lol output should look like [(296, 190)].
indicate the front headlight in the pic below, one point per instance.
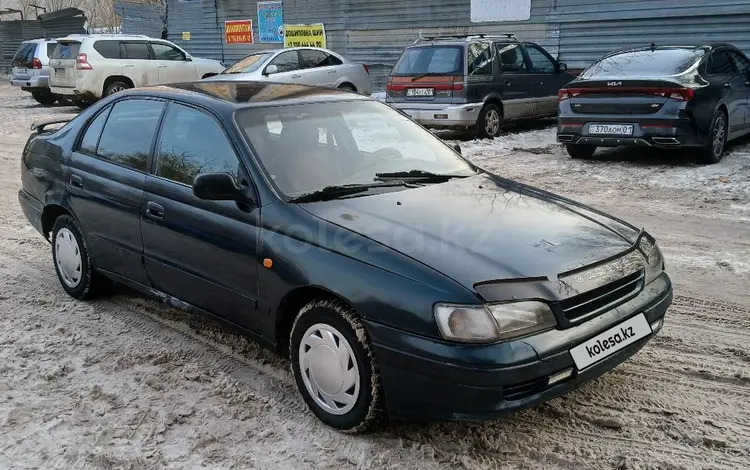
[(654, 259), (490, 323)]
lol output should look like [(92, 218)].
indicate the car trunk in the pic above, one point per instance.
[(428, 74), (23, 62), (623, 96), (63, 64)]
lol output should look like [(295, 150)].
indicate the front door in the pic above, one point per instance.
[(201, 252), (547, 79), (106, 181), (287, 68), (172, 64), (519, 100)]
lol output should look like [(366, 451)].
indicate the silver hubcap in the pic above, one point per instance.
[(492, 122), (329, 369), (720, 130), (117, 89), (68, 257)]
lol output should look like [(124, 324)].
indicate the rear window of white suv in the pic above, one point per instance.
[(66, 50)]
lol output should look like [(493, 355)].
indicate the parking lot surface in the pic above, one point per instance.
[(128, 382)]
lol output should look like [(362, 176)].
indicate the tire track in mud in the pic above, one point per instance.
[(279, 392)]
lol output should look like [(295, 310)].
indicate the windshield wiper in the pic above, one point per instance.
[(426, 74), (416, 175), (338, 191)]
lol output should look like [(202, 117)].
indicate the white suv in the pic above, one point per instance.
[(86, 68)]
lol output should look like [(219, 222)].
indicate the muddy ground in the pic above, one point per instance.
[(129, 383)]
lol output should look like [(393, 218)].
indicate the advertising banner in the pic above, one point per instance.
[(270, 22), (304, 35), (238, 31)]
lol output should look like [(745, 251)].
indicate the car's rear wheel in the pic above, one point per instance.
[(347, 87), (115, 87), (714, 149), (582, 152), (44, 97), (72, 261), (334, 366), (489, 122), (65, 101)]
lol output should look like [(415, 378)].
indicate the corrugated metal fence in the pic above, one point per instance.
[(375, 32), (141, 18), (54, 24)]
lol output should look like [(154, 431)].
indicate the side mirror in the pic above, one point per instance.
[(188, 58), (457, 148), (562, 67), (271, 69), (217, 187)]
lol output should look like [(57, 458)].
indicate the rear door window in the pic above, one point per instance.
[(719, 63), (432, 60), (312, 59), (109, 49), (129, 133), (511, 58), (135, 51), (67, 50), (480, 58)]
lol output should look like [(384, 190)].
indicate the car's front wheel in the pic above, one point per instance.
[(582, 152), (334, 366), (714, 149), (72, 261)]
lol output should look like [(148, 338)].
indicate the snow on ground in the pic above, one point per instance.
[(129, 383)]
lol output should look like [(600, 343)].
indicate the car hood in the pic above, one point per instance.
[(482, 228)]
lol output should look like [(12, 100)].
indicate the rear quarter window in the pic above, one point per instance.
[(108, 49), (646, 63), (68, 50)]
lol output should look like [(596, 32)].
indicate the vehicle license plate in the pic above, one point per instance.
[(21, 70), (59, 72), (613, 129), (609, 342), (419, 92)]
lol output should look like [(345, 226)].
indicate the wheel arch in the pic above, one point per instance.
[(50, 214), (116, 78)]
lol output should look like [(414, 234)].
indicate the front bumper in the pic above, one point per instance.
[(428, 379), (442, 115), (31, 83)]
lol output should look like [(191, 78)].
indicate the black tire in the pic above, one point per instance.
[(489, 123), (714, 149), (582, 152), (364, 409), (115, 87), (44, 98), (347, 87), (82, 104), (89, 284), (65, 101)]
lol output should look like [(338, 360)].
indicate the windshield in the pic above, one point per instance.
[(307, 147), (66, 50), (648, 63), (250, 63), (433, 60)]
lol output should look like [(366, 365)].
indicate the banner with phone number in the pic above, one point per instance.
[(304, 35)]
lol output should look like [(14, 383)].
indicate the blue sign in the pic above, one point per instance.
[(270, 22)]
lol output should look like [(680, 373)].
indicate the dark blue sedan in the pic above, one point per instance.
[(400, 278)]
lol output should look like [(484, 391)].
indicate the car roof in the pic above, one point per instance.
[(244, 94), (462, 39), (38, 40), (108, 36)]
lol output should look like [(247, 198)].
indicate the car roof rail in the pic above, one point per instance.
[(451, 37)]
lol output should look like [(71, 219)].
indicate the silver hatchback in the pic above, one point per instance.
[(31, 69), (303, 65)]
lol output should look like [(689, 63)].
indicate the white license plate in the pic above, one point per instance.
[(612, 129), (59, 72), (414, 92), (611, 341), (21, 71)]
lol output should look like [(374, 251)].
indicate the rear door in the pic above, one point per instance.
[(481, 79), (547, 79), (518, 87), (22, 61), (62, 65), (742, 64), (106, 180), (723, 76), (137, 63), (316, 69), (172, 64)]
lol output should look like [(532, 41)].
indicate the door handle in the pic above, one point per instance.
[(541, 83), (507, 83), (332, 71), (162, 66), (129, 66), (727, 85), (154, 210), (76, 181), (296, 75)]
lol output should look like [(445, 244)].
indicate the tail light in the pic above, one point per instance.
[(367, 69), (36, 64), (82, 62), (679, 94), (389, 84)]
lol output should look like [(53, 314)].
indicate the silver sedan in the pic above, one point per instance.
[(302, 65)]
